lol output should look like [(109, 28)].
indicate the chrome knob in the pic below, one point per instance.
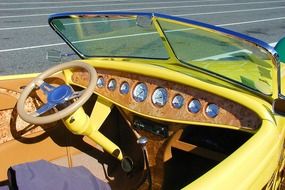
[(142, 141)]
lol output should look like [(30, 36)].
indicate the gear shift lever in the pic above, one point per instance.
[(143, 141)]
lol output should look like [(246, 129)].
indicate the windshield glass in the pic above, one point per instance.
[(229, 57), (112, 35)]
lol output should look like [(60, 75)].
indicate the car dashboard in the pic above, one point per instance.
[(168, 101)]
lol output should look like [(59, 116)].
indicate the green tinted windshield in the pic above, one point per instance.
[(113, 35), (222, 55)]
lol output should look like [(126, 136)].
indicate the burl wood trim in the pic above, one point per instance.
[(230, 113)]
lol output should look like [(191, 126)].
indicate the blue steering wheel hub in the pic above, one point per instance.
[(60, 94)]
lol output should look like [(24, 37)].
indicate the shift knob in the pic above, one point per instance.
[(142, 140)]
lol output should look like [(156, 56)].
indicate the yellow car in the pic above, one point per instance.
[(155, 102)]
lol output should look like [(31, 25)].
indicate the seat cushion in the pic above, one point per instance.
[(43, 175)]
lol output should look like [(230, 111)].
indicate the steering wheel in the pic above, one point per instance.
[(59, 95)]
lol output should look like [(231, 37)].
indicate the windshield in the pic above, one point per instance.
[(115, 35), (151, 37), (222, 55)]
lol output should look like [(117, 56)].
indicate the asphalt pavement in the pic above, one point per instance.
[(25, 36)]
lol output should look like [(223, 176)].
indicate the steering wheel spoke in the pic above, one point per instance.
[(44, 86), (43, 109), (75, 94)]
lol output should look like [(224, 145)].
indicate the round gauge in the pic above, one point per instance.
[(178, 101), (100, 82), (212, 110), (194, 106), (140, 92), (159, 97), (112, 84), (124, 89)]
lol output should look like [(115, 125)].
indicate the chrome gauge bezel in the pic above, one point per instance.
[(112, 84), (212, 110), (100, 82), (194, 106), (177, 101), (140, 92), (124, 88), (159, 97)]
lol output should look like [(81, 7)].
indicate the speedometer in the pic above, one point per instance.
[(140, 92), (159, 97)]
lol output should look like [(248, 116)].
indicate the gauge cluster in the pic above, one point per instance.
[(169, 101)]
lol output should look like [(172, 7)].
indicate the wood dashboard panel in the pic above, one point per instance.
[(230, 113)]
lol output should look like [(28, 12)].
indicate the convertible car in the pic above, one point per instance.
[(155, 102)]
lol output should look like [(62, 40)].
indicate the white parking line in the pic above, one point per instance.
[(23, 16), (181, 15), (253, 21), (233, 11), (31, 47), (24, 27)]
